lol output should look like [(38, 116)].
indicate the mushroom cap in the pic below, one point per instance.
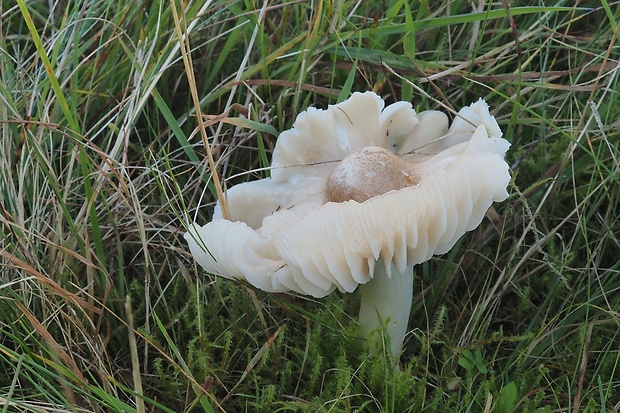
[(285, 236)]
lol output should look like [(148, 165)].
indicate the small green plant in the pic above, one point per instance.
[(471, 360), (507, 399)]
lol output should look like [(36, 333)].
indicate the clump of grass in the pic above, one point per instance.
[(103, 309)]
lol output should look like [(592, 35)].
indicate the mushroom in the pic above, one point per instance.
[(359, 193)]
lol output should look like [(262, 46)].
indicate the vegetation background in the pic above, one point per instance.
[(102, 309)]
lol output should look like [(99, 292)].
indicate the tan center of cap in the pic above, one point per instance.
[(368, 172)]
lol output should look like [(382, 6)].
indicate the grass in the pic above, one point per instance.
[(103, 309)]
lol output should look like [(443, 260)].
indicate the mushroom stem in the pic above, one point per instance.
[(386, 301)]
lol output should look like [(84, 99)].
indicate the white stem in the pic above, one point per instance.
[(387, 299)]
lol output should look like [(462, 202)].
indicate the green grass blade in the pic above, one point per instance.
[(62, 101)]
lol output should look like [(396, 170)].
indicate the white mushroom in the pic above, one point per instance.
[(358, 195)]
